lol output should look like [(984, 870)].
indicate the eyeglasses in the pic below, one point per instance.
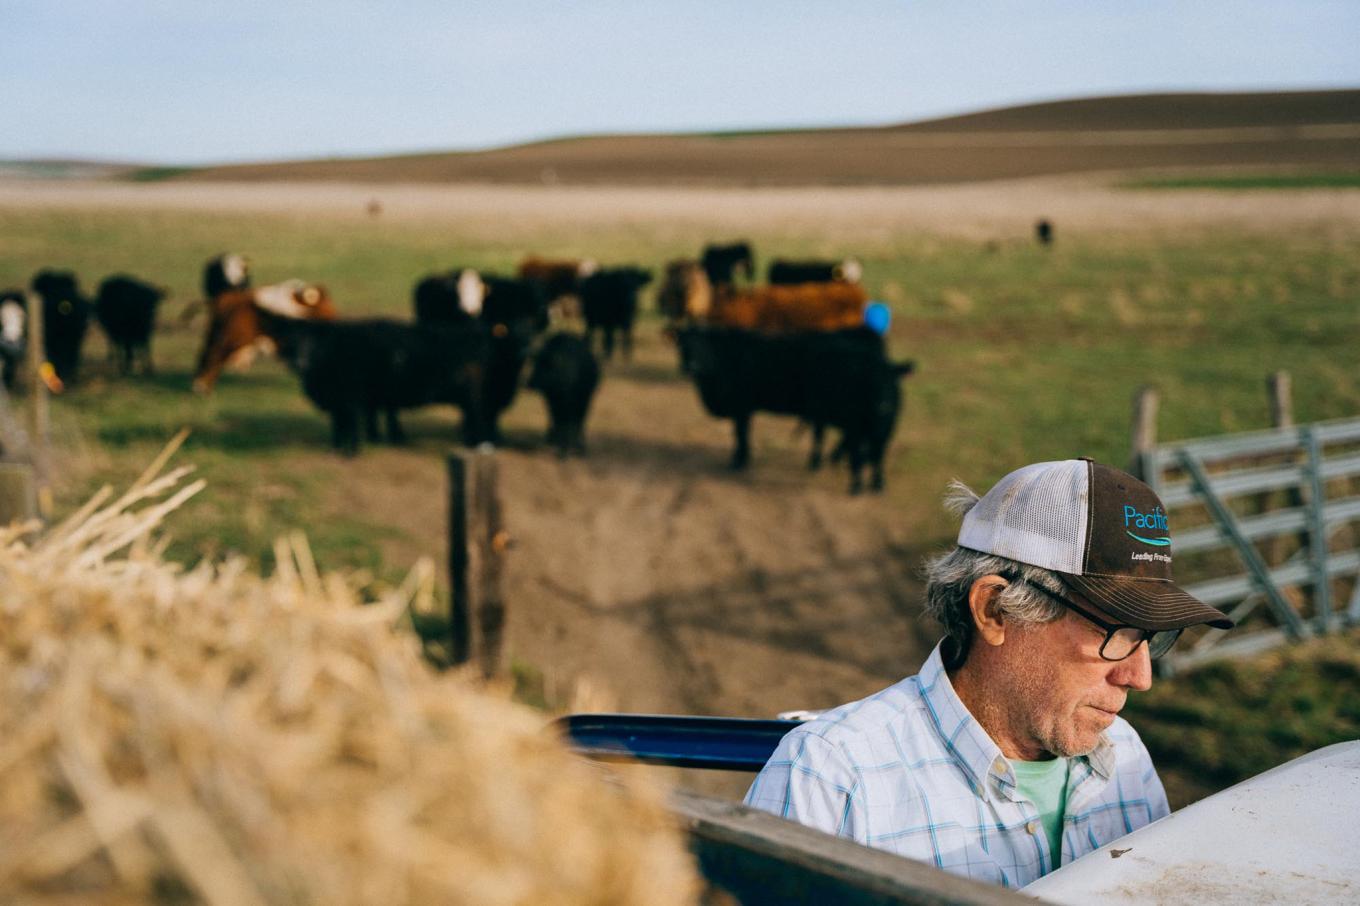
[(1121, 639)]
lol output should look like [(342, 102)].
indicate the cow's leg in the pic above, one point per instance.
[(815, 458), (855, 449), (626, 339), (395, 435), (608, 343), (345, 429), (877, 449), (741, 425)]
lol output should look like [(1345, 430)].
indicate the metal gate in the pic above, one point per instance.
[(1266, 527)]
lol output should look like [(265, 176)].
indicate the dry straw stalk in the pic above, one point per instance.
[(213, 736)]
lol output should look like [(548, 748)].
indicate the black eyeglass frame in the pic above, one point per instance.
[(1164, 639)]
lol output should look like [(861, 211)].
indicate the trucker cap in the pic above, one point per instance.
[(1104, 530)]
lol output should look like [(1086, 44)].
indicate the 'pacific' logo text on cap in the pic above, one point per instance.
[(1156, 520)]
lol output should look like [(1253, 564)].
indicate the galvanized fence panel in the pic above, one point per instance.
[(1267, 527)]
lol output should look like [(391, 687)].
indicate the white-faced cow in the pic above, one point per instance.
[(237, 332)]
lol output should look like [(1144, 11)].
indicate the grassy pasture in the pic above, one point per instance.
[(1251, 181), (1023, 353)]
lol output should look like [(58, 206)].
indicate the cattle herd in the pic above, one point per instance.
[(807, 344)]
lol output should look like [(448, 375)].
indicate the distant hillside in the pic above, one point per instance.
[(1314, 130)]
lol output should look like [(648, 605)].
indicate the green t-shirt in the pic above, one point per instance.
[(1045, 784)]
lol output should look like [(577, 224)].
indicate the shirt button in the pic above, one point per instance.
[(1032, 827)]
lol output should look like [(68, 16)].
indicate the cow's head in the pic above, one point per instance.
[(237, 332), (471, 291), (849, 270)]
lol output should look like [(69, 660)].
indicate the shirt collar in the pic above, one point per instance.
[(980, 758)]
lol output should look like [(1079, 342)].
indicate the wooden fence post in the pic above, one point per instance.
[(37, 396), (478, 543), (1281, 400), (460, 617), (1144, 430), (491, 542)]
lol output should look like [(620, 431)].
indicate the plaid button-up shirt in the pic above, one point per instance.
[(909, 770)]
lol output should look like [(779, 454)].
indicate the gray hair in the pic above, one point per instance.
[(950, 577)]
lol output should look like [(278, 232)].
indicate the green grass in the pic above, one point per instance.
[(157, 174), (1023, 354), (1231, 720), (1250, 181)]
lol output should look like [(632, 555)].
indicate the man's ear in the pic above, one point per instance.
[(988, 621)]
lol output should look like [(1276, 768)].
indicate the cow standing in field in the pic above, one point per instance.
[(842, 379), (722, 262), (512, 311), (353, 370), (685, 294), (609, 301), (126, 309), (566, 372), (66, 317), (227, 271), (783, 273), (560, 279), (449, 297), (237, 330), (804, 306), (13, 333)]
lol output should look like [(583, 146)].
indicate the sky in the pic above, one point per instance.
[(192, 82)]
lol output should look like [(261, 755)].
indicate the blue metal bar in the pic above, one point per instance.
[(716, 743)]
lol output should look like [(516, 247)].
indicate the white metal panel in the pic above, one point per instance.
[(1286, 836)]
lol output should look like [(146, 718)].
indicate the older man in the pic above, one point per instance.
[(1005, 756)]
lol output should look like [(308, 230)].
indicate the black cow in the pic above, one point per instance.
[(352, 370), (566, 373), (841, 379), (720, 262), (1043, 232), (511, 311), (226, 271), (449, 297), (126, 309), (609, 302), (66, 317), (789, 272), (13, 333)]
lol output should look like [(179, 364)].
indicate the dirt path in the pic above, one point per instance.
[(648, 577)]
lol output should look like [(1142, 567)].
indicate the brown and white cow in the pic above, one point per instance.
[(780, 309), (685, 294), (237, 332), (559, 276)]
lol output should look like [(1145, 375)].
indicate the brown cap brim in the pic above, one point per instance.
[(1147, 603)]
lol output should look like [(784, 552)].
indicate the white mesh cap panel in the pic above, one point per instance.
[(1035, 515)]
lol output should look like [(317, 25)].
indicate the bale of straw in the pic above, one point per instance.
[(208, 735)]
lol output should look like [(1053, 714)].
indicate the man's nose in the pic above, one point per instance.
[(1135, 671)]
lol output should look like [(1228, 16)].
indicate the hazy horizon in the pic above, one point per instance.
[(191, 84)]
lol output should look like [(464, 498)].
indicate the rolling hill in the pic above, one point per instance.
[(1317, 130)]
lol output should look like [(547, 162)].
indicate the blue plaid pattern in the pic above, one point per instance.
[(909, 770)]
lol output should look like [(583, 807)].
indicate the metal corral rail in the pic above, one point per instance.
[(754, 856), (1265, 530)]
